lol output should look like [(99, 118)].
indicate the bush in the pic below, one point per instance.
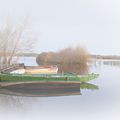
[(73, 60)]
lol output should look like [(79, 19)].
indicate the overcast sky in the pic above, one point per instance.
[(94, 24)]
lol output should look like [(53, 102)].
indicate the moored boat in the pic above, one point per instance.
[(33, 74), (46, 77)]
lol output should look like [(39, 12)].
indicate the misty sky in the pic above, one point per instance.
[(94, 24)]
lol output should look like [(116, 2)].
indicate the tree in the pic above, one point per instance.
[(13, 40), (68, 59)]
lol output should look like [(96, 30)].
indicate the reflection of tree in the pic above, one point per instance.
[(9, 102), (112, 63), (14, 103), (19, 102), (88, 86)]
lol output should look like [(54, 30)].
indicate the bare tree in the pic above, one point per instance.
[(14, 40)]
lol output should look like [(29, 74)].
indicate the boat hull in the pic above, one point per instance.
[(46, 78)]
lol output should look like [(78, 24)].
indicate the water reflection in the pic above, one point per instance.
[(42, 89), (106, 62), (112, 63), (46, 89), (88, 86)]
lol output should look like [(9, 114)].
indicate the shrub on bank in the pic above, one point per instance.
[(70, 59)]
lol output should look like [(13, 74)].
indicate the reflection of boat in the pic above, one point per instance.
[(46, 89), (88, 86), (42, 89)]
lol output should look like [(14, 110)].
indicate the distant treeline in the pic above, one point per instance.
[(27, 54), (22, 54), (105, 57), (91, 56)]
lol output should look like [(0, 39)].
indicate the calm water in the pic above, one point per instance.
[(101, 104)]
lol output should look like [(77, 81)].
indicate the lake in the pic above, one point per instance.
[(95, 104)]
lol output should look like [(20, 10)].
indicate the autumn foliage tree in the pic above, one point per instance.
[(73, 60)]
